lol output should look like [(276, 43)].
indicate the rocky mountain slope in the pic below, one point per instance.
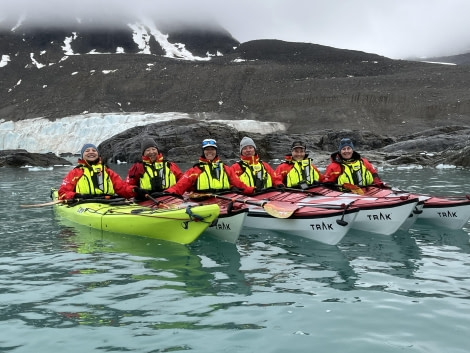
[(316, 90), (56, 72)]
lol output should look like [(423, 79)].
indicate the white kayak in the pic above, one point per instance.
[(327, 226), (448, 212), (376, 215)]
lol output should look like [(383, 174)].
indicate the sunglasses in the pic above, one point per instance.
[(209, 142)]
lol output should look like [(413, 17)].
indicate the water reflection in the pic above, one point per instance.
[(430, 235), (291, 264), (223, 261), (174, 263), (444, 271)]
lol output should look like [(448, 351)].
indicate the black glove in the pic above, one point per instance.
[(140, 194), (280, 186), (80, 196), (236, 190)]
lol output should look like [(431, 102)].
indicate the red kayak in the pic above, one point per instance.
[(376, 214)]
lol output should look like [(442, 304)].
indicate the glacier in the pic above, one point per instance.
[(69, 134)]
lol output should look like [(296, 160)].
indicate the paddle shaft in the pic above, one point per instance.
[(43, 204), (248, 202), (273, 208)]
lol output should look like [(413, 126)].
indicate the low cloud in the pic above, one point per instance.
[(397, 29)]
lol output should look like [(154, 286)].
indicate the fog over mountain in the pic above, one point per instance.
[(396, 29)]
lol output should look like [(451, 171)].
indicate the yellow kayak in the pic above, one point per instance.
[(182, 225)]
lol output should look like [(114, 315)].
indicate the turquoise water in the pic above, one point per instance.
[(71, 289)]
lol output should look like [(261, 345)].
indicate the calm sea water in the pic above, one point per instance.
[(71, 289)]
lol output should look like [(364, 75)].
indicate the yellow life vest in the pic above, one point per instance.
[(157, 176), (355, 173), (255, 175), (302, 171), (213, 177), (94, 181)]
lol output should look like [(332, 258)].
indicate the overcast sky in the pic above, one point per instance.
[(393, 28)]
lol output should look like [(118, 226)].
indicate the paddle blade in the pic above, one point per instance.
[(354, 188), (280, 209)]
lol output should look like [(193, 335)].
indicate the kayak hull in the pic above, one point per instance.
[(447, 212), (181, 225), (317, 224), (227, 226), (376, 215)]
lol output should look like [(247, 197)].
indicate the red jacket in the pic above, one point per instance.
[(67, 188), (137, 170), (335, 169), (189, 179)]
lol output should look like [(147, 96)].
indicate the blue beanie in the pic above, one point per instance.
[(85, 146), (345, 142)]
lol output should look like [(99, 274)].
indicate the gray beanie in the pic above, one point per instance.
[(345, 142), (246, 141), (85, 146), (146, 143)]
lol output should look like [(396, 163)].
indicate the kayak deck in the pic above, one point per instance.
[(178, 225)]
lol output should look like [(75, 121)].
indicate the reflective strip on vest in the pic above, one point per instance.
[(213, 177), (157, 177), (94, 181), (255, 175), (355, 173), (302, 171)]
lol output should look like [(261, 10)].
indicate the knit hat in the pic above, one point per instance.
[(146, 143), (246, 141), (300, 144), (209, 143), (345, 142), (85, 146)]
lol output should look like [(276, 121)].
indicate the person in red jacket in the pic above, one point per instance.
[(92, 178), (209, 174), (251, 170), (298, 170), (153, 173), (348, 167)]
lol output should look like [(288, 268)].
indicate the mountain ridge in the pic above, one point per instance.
[(306, 86)]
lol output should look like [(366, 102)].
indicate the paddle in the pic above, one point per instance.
[(351, 187), (277, 209), (157, 202), (44, 204)]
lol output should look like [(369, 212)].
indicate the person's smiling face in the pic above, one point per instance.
[(90, 154), (210, 153), (298, 153), (346, 152), (152, 153)]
